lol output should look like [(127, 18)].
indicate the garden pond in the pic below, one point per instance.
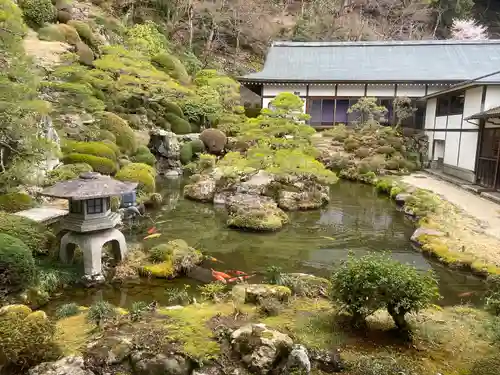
[(356, 220)]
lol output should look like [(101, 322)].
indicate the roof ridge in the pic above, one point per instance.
[(385, 43)]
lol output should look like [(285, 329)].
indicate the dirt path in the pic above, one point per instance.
[(487, 212)]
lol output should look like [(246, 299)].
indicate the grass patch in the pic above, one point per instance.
[(73, 333)]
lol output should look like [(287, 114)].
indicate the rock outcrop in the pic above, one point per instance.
[(64, 366), (166, 147), (253, 293)]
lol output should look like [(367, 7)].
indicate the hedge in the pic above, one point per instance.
[(17, 266), (66, 172), (140, 173), (60, 33), (172, 66), (186, 153), (14, 202), (125, 137), (177, 124), (98, 164), (197, 146), (38, 11), (101, 149), (36, 236), (172, 108)]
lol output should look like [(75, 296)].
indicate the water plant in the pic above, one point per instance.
[(100, 312), (178, 295), (137, 310), (67, 310)]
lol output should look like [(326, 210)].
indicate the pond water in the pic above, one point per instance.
[(356, 220)]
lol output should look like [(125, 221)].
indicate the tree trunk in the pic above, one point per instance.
[(399, 318), (190, 22)]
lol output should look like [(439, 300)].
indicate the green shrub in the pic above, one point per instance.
[(26, 337), (17, 266), (100, 149), (215, 291), (34, 235), (112, 145), (63, 16), (214, 140), (172, 66), (100, 312), (422, 202), (385, 150), (125, 137), (67, 310), (154, 200), (98, 164), (60, 33), (84, 31), (197, 146), (366, 284), (148, 158), (85, 54), (160, 253), (371, 164), (486, 366), (338, 133), (195, 128), (178, 125), (66, 172), (63, 5), (186, 153), (351, 145), (38, 11), (14, 202), (174, 108), (384, 186), (363, 152), (137, 310), (142, 150), (492, 298), (138, 172)]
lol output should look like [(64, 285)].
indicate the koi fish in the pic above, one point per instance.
[(155, 235), (466, 294), (328, 238), (236, 272), (152, 230), (240, 278), (218, 277), (222, 274)]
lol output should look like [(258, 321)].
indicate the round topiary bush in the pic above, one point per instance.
[(177, 124), (63, 16), (197, 146), (85, 54), (34, 235), (363, 152), (141, 173), (146, 158), (195, 128), (154, 200), (38, 12), (17, 266), (64, 5), (112, 145), (214, 140), (186, 153), (385, 150), (171, 107), (84, 31), (14, 202), (125, 137), (98, 164), (172, 66), (60, 32), (100, 149), (66, 172)]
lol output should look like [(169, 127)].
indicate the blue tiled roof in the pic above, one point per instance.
[(407, 61)]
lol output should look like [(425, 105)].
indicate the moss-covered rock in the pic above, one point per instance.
[(202, 190), (17, 266), (186, 153), (59, 32), (98, 164), (178, 125), (38, 12), (125, 137), (172, 259), (14, 202), (101, 149), (85, 54), (66, 172), (214, 140), (254, 293), (141, 173), (36, 236)]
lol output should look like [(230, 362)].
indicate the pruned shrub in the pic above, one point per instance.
[(100, 312), (143, 155), (214, 140), (384, 186), (140, 173), (371, 164), (125, 137), (385, 150), (34, 235), (363, 152), (38, 12), (26, 338), (67, 310), (197, 146), (421, 202), (100, 149), (178, 125), (84, 31), (270, 306), (171, 107), (85, 54), (63, 5), (351, 144), (66, 172), (172, 66), (154, 200), (186, 153), (63, 16), (17, 266), (338, 133), (98, 164), (14, 202), (195, 128), (59, 32), (366, 284)]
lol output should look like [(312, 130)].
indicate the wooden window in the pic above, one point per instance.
[(95, 206), (450, 105)]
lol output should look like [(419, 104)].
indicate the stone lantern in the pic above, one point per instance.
[(90, 222)]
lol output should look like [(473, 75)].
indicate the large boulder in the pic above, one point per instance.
[(298, 361), (255, 212), (202, 190), (259, 347), (165, 145), (214, 140), (295, 194), (64, 366), (109, 350), (147, 364), (306, 285), (253, 293), (257, 183)]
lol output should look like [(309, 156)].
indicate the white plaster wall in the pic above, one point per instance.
[(350, 90), (441, 122), (410, 90), (492, 97), (272, 90), (439, 136), (433, 89), (451, 148), (430, 113), (430, 139), (439, 151), (454, 122), (472, 105), (379, 91), (317, 90), (468, 146)]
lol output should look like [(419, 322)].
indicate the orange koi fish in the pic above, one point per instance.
[(239, 278), (466, 294), (156, 235), (222, 274), (152, 230), (236, 272), (218, 277)]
